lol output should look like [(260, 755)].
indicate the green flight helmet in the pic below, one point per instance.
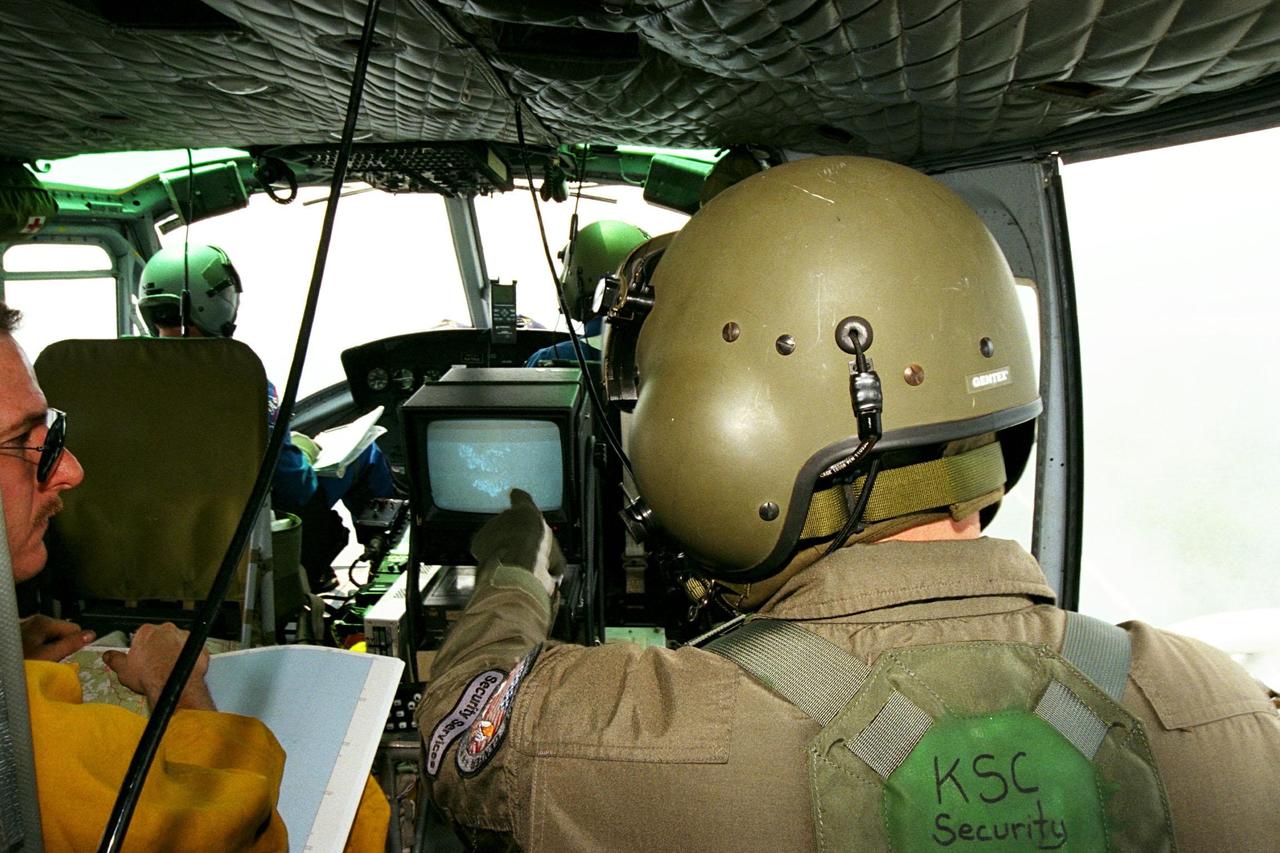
[(599, 249), (214, 285), (743, 404)]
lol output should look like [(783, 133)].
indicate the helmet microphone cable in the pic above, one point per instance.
[(854, 524), (867, 397), (184, 302)]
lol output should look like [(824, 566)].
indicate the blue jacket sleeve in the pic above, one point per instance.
[(295, 479)]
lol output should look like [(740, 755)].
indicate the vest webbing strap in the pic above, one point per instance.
[(815, 675), (1101, 651), (910, 489), (1061, 708), (891, 736), (820, 678)]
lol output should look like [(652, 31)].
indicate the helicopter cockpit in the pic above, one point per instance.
[(402, 200)]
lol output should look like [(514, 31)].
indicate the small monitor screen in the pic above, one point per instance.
[(474, 464)]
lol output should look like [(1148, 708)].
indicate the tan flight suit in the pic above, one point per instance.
[(624, 748)]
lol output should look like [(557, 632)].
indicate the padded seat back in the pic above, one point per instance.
[(170, 434)]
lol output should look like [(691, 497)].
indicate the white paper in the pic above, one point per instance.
[(340, 446), (327, 708)]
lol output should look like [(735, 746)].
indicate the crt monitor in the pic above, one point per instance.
[(480, 432)]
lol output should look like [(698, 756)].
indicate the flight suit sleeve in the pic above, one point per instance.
[(213, 784), (477, 673), (493, 644), (1215, 735)]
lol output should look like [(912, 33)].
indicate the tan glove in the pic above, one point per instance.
[(520, 537)]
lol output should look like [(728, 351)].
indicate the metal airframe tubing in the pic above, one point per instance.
[(1059, 506), (470, 256)]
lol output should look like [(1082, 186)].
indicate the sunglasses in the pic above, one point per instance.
[(54, 440)]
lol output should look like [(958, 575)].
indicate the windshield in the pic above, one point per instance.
[(513, 246), (124, 169), (391, 270)]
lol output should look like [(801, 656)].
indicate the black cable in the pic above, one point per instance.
[(854, 524), (351, 577), (867, 398), (286, 173), (184, 299), (413, 607), (573, 234), (575, 342), (131, 788)]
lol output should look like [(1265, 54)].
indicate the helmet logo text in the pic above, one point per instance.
[(991, 379)]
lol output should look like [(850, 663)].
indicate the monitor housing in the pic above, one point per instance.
[(480, 431)]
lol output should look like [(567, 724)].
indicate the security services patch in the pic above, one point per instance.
[(488, 730), (449, 729)]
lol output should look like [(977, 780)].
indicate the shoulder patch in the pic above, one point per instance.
[(490, 727), (474, 697)]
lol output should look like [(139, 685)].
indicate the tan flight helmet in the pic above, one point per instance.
[(597, 251), (743, 420)]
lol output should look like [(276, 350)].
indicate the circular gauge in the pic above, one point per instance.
[(403, 377), (377, 379)]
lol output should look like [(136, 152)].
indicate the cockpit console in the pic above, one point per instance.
[(387, 372)]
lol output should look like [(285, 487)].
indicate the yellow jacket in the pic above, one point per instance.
[(213, 785)]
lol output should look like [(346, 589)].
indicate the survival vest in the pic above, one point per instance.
[(975, 746)]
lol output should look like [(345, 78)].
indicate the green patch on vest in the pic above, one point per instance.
[(973, 746), (1005, 781)]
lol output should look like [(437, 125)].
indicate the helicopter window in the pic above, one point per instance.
[(391, 270), (513, 246), (1016, 515), (42, 279), (1175, 254)]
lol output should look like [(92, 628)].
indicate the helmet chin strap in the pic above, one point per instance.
[(953, 486), (748, 597)]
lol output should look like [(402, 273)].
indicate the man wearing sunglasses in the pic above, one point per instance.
[(36, 439), (219, 774), (34, 471), (43, 638)]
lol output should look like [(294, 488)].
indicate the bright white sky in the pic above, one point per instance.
[(1176, 257), (1177, 266)]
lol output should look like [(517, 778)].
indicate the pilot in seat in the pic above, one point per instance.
[(214, 302), (835, 391), (598, 250)]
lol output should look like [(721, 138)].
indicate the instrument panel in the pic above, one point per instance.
[(387, 371)]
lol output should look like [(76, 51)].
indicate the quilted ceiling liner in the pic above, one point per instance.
[(929, 82)]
